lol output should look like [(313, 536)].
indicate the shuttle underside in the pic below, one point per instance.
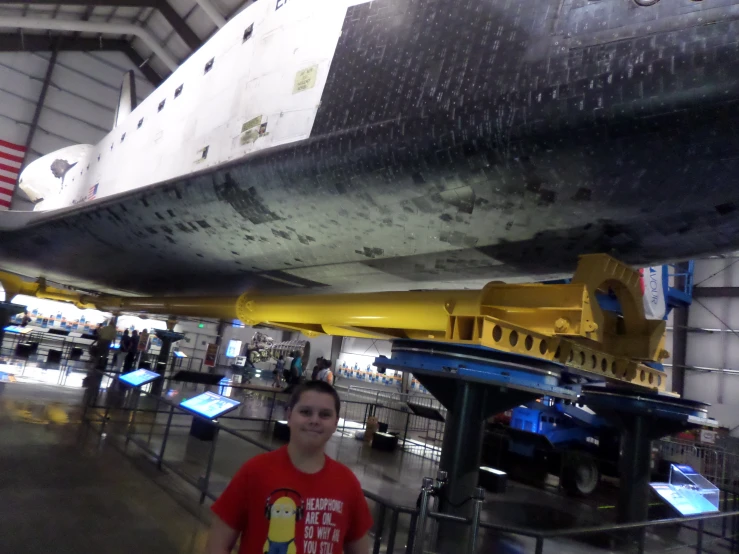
[(454, 142)]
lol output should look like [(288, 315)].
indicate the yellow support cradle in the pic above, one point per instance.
[(558, 322)]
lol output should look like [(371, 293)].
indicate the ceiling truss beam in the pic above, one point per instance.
[(164, 7), (22, 42), (152, 76), (17, 42), (715, 292)]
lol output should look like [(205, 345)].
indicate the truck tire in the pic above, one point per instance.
[(580, 475)]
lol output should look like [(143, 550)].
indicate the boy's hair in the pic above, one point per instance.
[(315, 386)]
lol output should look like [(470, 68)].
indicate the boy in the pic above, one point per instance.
[(295, 500)]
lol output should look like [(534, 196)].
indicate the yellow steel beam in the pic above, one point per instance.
[(555, 322)]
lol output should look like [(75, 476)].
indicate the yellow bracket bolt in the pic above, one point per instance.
[(561, 325)]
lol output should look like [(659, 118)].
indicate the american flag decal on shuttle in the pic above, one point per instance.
[(92, 193), (11, 158)]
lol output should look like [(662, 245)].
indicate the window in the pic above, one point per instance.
[(205, 152), (248, 32), (178, 91), (141, 122), (209, 66), (123, 137), (161, 105)]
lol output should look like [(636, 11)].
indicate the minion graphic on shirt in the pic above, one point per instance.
[(282, 514)]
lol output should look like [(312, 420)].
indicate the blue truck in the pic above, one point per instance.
[(553, 436)]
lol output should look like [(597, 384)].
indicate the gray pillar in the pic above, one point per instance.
[(168, 338), (634, 470), (460, 458), (679, 348), (405, 383), (679, 334), (336, 345)]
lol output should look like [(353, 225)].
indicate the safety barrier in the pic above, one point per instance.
[(717, 464)]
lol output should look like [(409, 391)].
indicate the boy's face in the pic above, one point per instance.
[(313, 420)]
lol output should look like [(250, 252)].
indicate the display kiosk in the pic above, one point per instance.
[(688, 492), (138, 378), (209, 406)]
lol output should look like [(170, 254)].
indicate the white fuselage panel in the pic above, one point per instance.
[(256, 94)]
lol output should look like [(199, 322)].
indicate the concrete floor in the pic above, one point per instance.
[(62, 492), (66, 489)]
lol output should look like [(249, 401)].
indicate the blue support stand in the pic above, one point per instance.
[(472, 383)]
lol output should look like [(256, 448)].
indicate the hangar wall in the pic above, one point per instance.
[(80, 101), (712, 339)]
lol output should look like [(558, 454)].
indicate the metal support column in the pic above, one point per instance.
[(41, 100), (168, 338), (460, 458), (405, 382), (336, 345), (633, 496), (679, 349), (680, 331), (462, 445)]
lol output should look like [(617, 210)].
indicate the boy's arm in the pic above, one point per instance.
[(360, 546), (221, 538)]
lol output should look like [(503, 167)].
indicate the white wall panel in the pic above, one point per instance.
[(363, 351), (80, 103), (705, 350), (718, 350), (702, 386), (702, 312), (705, 269)]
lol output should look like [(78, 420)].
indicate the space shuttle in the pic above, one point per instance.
[(359, 145)]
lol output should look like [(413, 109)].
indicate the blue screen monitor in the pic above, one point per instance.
[(17, 329), (210, 405), (139, 377), (234, 348), (179, 354)]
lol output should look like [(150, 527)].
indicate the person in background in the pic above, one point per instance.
[(326, 375), (25, 320), (278, 501), (99, 349), (123, 349), (143, 346), (132, 351), (317, 368), (296, 368), (277, 372)]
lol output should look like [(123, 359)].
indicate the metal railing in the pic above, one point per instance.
[(156, 428), (717, 464)]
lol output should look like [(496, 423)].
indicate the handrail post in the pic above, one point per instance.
[(135, 396), (166, 436), (393, 531), (478, 497), (427, 488), (209, 468), (379, 530)]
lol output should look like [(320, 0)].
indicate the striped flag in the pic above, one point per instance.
[(11, 158)]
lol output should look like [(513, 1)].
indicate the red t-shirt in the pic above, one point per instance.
[(280, 510)]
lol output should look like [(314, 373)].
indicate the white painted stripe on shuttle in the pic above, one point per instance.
[(10, 174), (4, 196)]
